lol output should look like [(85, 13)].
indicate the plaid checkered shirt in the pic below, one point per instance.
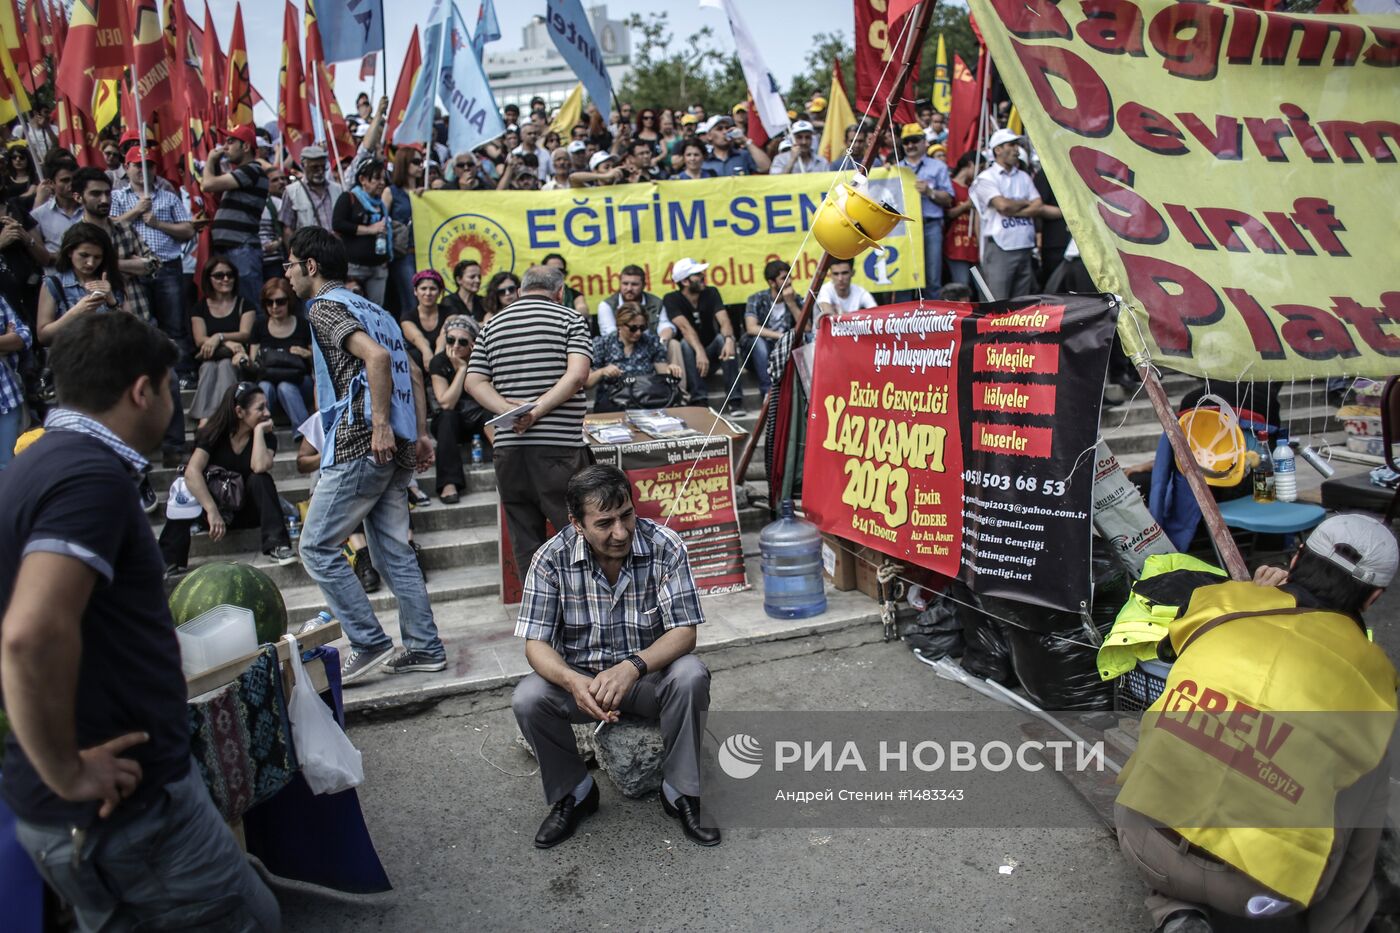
[(165, 207), (11, 389), (130, 246), (569, 603), (66, 419)]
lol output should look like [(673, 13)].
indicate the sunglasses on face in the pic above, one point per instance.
[(417, 162), (507, 290), (277, 302), (633, 328), (459, 341), (462, 164), (221, 275)]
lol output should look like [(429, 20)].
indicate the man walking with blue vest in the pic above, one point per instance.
[(373, 412)]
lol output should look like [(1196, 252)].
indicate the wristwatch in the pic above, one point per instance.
[(638, 663)]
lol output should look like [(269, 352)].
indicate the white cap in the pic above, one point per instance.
[(707, 125), (1379, 556), (577, 145), (685, 268), (1002, 136), (785, 145), (600, 157), (801, 126), (182, 504)]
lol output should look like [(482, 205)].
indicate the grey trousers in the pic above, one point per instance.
[(1008, 273), (679, 696), (174, 867)]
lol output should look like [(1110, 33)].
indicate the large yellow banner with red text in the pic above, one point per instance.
[(1232, 173)]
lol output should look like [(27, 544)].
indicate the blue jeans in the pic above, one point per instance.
[(166, 292), (248, 260), (291, 398), (377, 495), (757, 350), (960, 271), (10, 422), (175, 866), (401, 273), (699, 392)]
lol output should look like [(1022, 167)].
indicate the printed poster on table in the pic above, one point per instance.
[(687, 484), (961, 438)]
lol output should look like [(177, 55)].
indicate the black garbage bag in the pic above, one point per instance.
[(936, 632), (1052, 654), (985, 650)]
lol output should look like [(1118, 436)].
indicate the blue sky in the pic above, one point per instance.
[(262, 22)]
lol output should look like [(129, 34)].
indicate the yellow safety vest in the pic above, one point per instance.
[(1223, 743), (1140, 624)]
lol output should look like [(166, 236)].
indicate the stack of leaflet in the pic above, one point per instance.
[(611, 434), (658, 423)]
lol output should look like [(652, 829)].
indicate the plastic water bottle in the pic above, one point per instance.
[(321, 618), (1285, 471), (790, 550), (476, 450), (1264, 470), (294, 529)]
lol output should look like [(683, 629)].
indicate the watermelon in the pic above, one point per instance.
[(232, 584)]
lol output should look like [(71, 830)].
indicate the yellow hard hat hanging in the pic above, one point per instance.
[(850, 221), (1216, 441)]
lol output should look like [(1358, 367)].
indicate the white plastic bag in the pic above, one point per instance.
[(329, 761)]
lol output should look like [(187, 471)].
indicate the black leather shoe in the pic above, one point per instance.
[(564, 818), (687, 810)]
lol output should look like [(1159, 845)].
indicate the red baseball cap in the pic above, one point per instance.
[(244, 134), (135, 155)]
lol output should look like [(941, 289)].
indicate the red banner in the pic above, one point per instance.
[(877, 60), (686, 484), (959, 438)]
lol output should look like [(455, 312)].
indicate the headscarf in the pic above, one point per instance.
[(461, 322)]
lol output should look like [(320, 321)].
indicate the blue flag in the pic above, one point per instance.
[(487, 29), (568, 27), (417, 123), (472, 115), (350, 29)]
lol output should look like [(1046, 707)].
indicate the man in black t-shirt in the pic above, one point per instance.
[(244, 190), (97, 769), (697, 311)]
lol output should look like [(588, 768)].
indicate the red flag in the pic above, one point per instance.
[(840, 77), (97, 49), (59, 21), (342, 144), (293, 109), (963, 112), (215, 82), (238, 90), (879, 41), (152, 65), (899, 7), (408, 74), (757, 133), (367, 65), (38, 42)]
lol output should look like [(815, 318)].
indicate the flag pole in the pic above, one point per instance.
[(141, 131), (924, 11)]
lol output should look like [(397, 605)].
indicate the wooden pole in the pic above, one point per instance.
[(1186, 462), (924, 12)]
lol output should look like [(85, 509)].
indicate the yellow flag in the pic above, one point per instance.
[(839, 115), (1013, 121), (942, 85), (569, 114), (13, 99), (106, 101)]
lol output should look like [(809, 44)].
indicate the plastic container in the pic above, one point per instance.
[(1140, 687), (320, 619), (790, 550), (221, 635), (477, 453), (1264, 470), (294, 529), (1285, 471)]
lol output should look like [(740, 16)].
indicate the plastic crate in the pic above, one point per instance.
[(1140, 687)]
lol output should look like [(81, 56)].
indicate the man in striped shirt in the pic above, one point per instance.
[(243, 190), (536, 350)]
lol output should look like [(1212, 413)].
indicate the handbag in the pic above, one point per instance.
[(280, 365), (647, 391), (403, 240), (330, 762), (226, 487)]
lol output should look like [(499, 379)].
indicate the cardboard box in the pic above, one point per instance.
[(868, 561), (838, 563)]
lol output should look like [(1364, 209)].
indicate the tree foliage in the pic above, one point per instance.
[(696, 72), (951, 20)]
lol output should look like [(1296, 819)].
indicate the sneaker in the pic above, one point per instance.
[(359, 663), (149, 502), (417, 498), (1186, 921), (736, 411), (411, 662), (365, 572), (281, 555), (418, 556)]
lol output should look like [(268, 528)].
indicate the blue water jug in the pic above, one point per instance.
[(791, 554)]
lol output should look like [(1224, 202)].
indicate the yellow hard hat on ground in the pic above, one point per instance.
[(1217, 443)]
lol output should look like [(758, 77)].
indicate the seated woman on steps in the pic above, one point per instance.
[(457, 417), (237, 439), (222, 326), (281, 353)]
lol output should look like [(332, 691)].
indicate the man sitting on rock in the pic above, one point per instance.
[(609, 615)]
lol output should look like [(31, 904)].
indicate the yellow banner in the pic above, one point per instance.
[(735, 224), (1231, 173)]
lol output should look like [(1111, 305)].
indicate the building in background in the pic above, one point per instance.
[(537, 69)]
